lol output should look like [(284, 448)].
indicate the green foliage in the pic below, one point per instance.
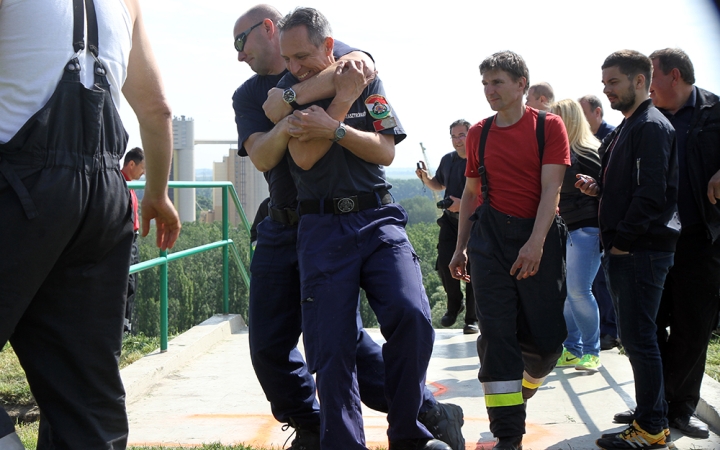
[(403, 189), (712, 366), (195, 284), (420, 210), (13, 385), (203, 200)]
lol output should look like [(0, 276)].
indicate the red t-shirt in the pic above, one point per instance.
[(134, 201), (512, 161)]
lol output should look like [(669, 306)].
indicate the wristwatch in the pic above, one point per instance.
[(289, 97), (339, 132)]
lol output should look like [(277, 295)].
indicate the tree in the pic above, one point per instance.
[(420, 210)]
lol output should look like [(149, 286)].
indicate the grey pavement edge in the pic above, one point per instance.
[(204, 390)]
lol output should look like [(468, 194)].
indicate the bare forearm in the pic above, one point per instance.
[(265, 150), (467, 207), (547, 207), (433, 184), (156, 136)]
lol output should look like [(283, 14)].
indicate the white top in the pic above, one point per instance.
[(35, 45)]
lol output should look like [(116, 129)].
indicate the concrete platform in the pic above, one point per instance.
[(204, 390)]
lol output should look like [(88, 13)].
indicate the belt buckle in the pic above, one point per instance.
[(345, 205)]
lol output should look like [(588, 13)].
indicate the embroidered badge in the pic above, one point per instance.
[(377, 106), (384, 124)]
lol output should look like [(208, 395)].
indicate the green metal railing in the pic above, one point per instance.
[(226, 244)]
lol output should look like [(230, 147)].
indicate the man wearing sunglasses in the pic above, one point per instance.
[(275, 316)]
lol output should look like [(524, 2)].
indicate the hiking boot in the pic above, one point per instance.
[(305, 438), (509, 443), (590, 363), (449, 318), (634, 438), (444, 421), (471, 328), (567, 359)]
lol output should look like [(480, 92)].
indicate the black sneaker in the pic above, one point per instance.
[(449, 318), (471, 328), (634, 438), (509, 443), (608, 342), (444, 421)]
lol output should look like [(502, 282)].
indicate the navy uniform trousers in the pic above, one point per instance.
[(338, 255), (65, 235), (276, 323), (522, 321)]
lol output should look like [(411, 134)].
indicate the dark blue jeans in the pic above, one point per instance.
[(635, 282)]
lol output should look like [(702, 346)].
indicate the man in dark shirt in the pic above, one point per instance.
[(133, 169), (639, 227), (352, 235), (274, 314), (450, 176), (690, 300)]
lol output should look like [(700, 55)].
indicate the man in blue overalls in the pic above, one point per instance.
[(351, 235), (66, 229), (275, 316)]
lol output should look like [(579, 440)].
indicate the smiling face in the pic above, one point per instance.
[(458, 134), (619, 89), (303, 59), (501, 91)]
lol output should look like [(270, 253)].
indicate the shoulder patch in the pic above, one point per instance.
[(378, 106)]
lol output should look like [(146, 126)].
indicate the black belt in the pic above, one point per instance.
[(285, 216), (344, 205)]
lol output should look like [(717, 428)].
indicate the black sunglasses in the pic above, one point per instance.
[(242, 37)]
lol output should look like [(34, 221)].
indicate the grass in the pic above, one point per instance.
[(712, 366), (15, 390)]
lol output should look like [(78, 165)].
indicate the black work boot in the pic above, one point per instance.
[(419, 444), (306, 438), (444, 421), (509, 443)]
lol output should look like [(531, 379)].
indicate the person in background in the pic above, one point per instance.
[(450, 176), (133, 169), (580, 213), (540, 96)]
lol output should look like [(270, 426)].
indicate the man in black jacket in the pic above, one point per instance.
[(640, 227), (690, 300)]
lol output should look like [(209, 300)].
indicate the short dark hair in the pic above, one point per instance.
[(135, 155), (509, 62), (675, 58), (593, 101), (459, 122), (543, 88), (631, 63), (318, 27)]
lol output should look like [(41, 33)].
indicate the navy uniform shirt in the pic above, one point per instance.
[(339, 173), (250, 118), (451, 174)]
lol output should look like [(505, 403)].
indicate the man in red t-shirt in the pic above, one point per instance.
[(516, 245), (133, 169)]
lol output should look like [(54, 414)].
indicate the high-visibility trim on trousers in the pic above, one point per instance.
[(530, 382), (503, 393)]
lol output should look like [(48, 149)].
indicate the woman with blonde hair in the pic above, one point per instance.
[(580, 212)]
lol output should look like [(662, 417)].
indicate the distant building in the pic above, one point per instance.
[(249, 183), (183, 167)]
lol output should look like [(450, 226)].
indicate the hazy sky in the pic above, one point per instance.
[(428, 58)]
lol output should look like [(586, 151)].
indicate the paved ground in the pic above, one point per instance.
[(213, 396)]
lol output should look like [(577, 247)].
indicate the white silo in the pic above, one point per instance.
[(184, 166)]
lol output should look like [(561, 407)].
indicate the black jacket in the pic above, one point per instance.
[(574, 205), (702, 156), (639, 181)]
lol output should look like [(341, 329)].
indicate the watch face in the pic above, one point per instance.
[(289, 95), (339, 133)]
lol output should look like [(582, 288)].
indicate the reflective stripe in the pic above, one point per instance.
[(532, 380), (495, 400), (528, 385), (502, 387)]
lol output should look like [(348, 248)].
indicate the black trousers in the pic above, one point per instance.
[(522, 321), (689, 306), (132, 285), (447, 241)]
